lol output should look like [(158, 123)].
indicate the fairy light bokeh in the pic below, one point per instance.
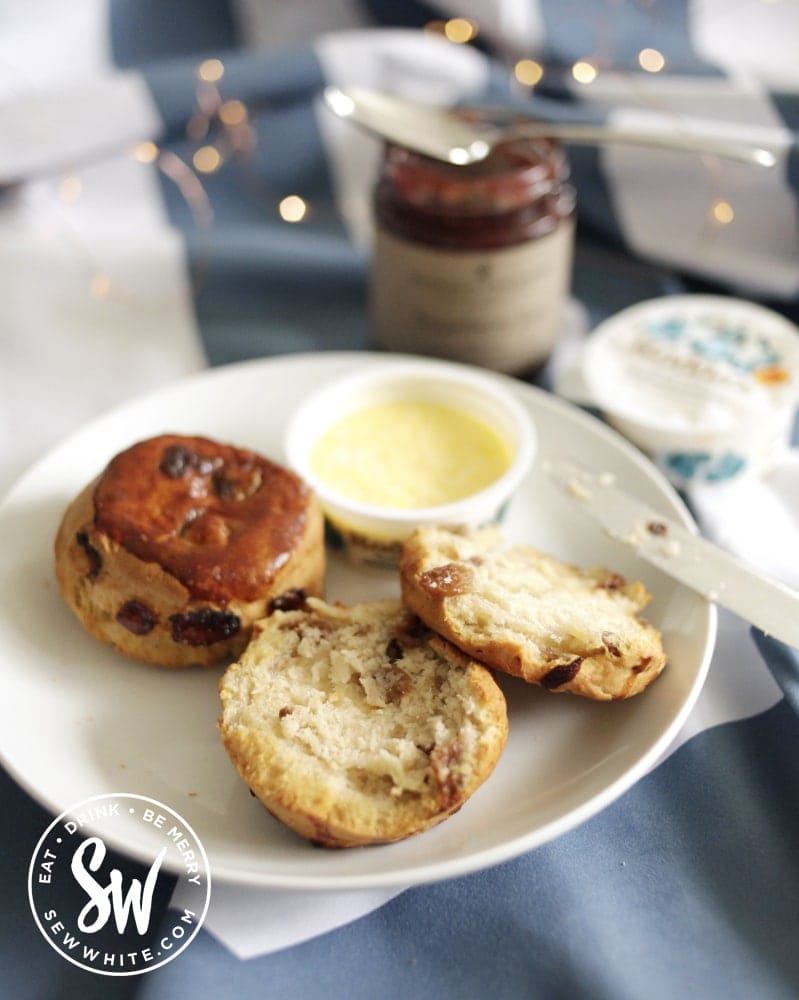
[(207, 159), (70, 188), (292, 208), (584, 71), (460, 30), (100, 285), (651, 60), (221, 134), (145, 152), (211, 70), (528, 72), (233, 113), (722, 212)]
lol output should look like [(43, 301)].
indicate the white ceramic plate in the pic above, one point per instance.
[(78, 720)]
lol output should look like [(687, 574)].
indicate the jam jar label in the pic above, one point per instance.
[(496, 308)]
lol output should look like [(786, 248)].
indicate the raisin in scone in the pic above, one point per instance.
[(355, 725), (182, 543), (526, 613)]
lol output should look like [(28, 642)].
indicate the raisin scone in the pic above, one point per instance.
[(182, 543), (356, 726), (526, 613)]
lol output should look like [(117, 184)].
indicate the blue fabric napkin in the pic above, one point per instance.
[(783, 662)]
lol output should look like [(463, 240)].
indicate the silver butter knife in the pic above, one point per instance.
[(681, 554)]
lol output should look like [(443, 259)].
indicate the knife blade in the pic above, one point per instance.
[(680, 552)]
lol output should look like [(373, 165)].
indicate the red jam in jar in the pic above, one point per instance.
[(473, 262)]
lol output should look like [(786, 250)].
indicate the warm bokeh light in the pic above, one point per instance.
[(651, 60), (146, 152), (460, 29), (207, 159), (528, 72), (211, 70), (722, 212), (584, 71), (436, 27), (292, 208), (100, 285), (233, 113), (70, 188)]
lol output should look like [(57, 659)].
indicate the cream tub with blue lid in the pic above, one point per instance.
[(706, 385)]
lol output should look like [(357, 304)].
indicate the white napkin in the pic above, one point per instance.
[(96, 297), (252, 922), (756, 518)]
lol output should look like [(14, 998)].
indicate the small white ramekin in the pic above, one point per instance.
[(373, 534), (706, 385)]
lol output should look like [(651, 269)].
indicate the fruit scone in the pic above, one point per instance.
[(181, 543), (356, 725), (528, 614)]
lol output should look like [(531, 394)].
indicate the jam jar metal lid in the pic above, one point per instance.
[(512, 176), (521, 191)]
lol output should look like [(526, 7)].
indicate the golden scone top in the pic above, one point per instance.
[(182, 543), (221, 519)]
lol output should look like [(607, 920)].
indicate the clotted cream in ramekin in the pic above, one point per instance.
[(429, 425)]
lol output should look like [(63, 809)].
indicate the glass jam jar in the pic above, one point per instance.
[(473, 263)]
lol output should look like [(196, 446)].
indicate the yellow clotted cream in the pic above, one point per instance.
[(409, 454)]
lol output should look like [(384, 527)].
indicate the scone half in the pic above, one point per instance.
[(355, 726), (528, 614)]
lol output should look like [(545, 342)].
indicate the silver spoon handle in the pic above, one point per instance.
[(689, 142)]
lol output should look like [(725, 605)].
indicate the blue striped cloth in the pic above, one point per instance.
[(644, 205)]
